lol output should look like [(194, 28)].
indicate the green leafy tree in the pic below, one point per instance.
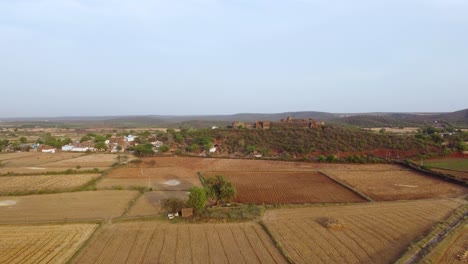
[(100, 146), (144, 150), (219, 189), (173, 204), (197, 199), (23, 140), (163, 148)]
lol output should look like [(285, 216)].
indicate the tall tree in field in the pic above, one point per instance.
[(197, 199), (220, 189)]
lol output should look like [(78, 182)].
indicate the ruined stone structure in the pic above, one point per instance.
[(289, 123)]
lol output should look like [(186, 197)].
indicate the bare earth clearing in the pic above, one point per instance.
[(65, 206), (397, 185), (150, 202), (159, 242), (287, 188), (43, 243), (369, 233), (164, 178), (12, 184)]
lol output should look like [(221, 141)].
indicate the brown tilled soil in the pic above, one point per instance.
[(391, 185), (160, 242), (287, 188), (372, 232)]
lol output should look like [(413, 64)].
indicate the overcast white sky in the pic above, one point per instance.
[(96, 57)]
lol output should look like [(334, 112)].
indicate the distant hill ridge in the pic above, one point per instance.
[(457, 118)]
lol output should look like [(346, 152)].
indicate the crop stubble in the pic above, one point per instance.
[(372, 232), (42, 244), (157, 242)]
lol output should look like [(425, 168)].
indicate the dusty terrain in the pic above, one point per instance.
[(287, 188), (42, 244), (150, 202), (148, 242), (65, 207), (37, 183), (369, 233), (388, 185)]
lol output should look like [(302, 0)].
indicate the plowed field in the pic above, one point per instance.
[(42, 244), (287, 188), (368, 233), (65, 206), (13, 184), (158, 242), (397, 184)]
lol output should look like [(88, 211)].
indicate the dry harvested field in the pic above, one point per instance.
[(13, 155), (358, 233), (210, 164), (150, 202), (36, 159), (287, 188), (64, 206), (91, 160), (43, 243), (157, 242), (388, 185), (159, 178), (14, 184), (40, 170), (453, 249)]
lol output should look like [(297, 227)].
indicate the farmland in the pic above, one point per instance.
[(453, 249), (63, 207), (150, 202), (397, 184), (365, 233), (43, 243), (287, 187), (158, 178), (37, 162), (43, 183), (457, 164), (146, 242)]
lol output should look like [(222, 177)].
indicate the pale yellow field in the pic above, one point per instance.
[(43, 243), (159, 242), (89, 160), (64, 207), (370, 233), (382, 185), (12, 184), (150, 203), (37, 159)]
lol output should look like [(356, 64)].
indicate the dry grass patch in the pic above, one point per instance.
[(391, 185), (372, 233), (39, 183), (42, 244), (90, 160), (62, 207), (453, 249), (37, 159), (159, 242)]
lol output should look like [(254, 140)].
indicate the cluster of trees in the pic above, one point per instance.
[(215, 190)]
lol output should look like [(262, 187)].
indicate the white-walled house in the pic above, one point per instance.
[(130, 138)]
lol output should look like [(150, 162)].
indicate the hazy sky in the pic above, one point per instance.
[(117, 57)]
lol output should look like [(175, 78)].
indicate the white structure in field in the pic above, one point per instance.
[(48, 150), (213, 150), (130, 138)]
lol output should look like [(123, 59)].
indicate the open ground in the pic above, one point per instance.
[(358, 233), (155, 242), (287, 188), (65, 207), (42, 243), (43, 183), (397, 184)]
